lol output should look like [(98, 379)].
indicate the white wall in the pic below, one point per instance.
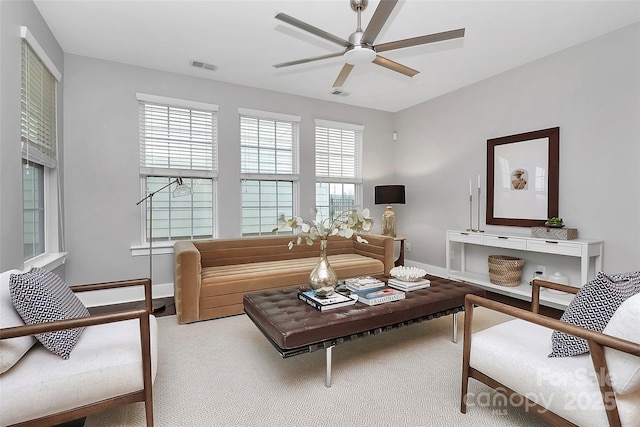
[(591, 91), (101, 159)]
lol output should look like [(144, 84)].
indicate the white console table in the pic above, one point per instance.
[(578, 248)]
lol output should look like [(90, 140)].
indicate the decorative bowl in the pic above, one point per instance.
[(407, 274), (554, 224)]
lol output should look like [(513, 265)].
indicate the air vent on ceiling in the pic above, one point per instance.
[(200, 64), (339, 92)]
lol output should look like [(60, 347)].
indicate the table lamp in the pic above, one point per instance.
[(388, 195)]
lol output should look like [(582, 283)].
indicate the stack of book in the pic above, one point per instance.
[(409, 286), (335, 300), (379, 295), (363, 283)]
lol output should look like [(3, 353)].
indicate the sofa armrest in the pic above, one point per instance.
[(379, 247), (535, 291), (187, 281)]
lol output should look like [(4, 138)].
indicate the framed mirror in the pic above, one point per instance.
[(522, 178)]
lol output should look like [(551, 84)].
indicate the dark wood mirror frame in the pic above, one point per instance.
[(553, 137)]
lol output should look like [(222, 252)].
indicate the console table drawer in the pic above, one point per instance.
[(466, 238), (554, 247), (505, 242)]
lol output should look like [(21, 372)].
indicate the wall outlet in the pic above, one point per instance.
[(542, 269), (407, 245)]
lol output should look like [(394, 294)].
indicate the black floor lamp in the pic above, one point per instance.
[(180, 190)]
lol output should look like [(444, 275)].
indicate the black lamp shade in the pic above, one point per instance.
[(389, 194)]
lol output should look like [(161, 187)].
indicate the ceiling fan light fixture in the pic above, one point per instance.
[(359, 55)]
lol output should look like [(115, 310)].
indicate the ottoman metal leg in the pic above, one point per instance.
[(454, 316), (327, 380)]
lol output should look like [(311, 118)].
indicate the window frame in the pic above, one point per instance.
[(166, 246), (53, 255), (357, 179), (293, 176)]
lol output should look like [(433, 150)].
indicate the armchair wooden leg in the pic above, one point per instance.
[(466, 355)]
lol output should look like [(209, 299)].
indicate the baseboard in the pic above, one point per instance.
[(430, 269), (124, 295)]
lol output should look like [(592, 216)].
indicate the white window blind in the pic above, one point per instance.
[(269, 168), (338, 152), (38, 116), (178, 138)]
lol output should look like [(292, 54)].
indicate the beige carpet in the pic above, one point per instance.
[(225, 373)]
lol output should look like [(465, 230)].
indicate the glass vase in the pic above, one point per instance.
[(323, 279)]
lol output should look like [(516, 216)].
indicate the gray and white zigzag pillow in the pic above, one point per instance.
[(41, 296), (592, 308)]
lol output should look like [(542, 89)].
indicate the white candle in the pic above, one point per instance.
[(470, 191), (478, 181)]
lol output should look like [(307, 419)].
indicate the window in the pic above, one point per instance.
[(178, 138), (338, 167), (269, 169), (38, 135)]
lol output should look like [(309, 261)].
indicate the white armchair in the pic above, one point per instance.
[(596, 389), (113, 363)]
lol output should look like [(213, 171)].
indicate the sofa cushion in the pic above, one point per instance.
[(11, 350), (624, 368), (591, 308), (40, 296)]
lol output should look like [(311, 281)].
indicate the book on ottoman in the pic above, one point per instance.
[(379, 295), (335, 300)]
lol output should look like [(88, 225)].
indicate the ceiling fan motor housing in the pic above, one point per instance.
[(358, 52)]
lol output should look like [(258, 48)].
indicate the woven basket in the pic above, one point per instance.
[(505, 270)]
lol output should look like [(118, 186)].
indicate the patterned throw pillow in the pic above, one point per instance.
[(40, 296), (592, 308)]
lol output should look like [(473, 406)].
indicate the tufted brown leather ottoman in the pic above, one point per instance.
[(294, 327)]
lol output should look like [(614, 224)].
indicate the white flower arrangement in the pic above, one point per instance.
[(345, 225)]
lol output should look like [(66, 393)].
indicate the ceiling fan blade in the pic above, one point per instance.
[(394, 66), (415, 41), (311, 29), (380, 16), (342, 77), (304, 61)]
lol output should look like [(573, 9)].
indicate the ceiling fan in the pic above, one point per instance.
[(359, 49)]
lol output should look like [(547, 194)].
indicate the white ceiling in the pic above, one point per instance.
[(243, 39)]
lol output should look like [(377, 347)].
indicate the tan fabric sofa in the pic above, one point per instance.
[(212, 276)]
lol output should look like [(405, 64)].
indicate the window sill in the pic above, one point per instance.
[(158, 248), (47, 261)]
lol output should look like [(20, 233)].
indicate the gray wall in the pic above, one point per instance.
[(14, 14), (102, 169), (591, 91)]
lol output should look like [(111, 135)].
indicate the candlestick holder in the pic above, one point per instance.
[(479, 230), (470, 213)]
